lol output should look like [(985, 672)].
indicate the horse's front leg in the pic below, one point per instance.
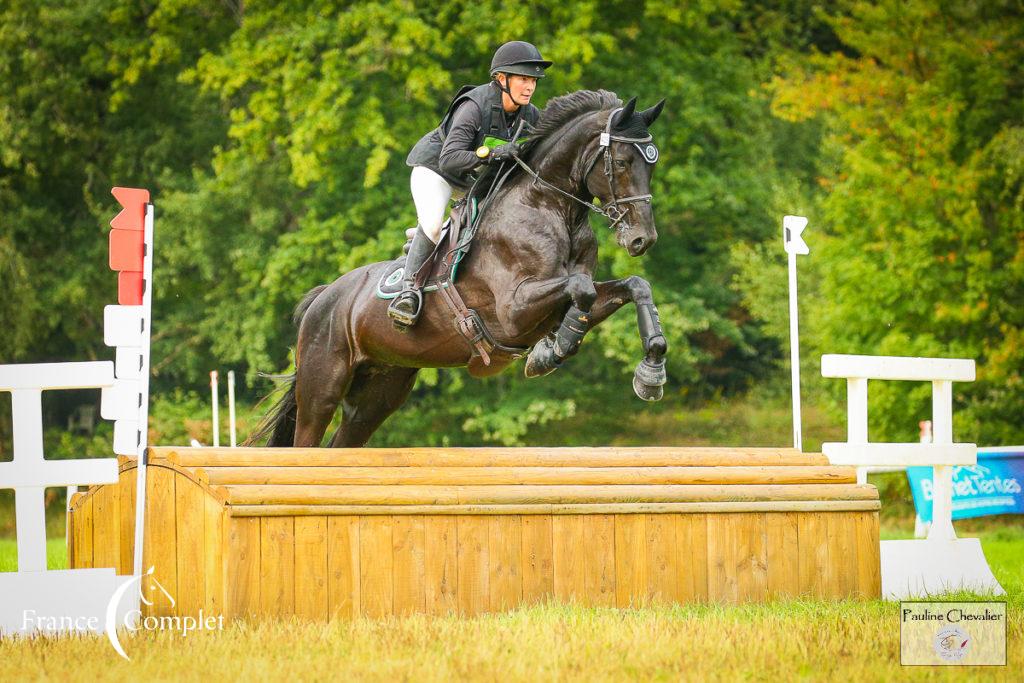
[(649, 376), (549, 352)]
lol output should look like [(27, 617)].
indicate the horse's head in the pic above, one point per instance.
[(620, 175)]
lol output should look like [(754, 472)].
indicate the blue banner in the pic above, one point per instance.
[(992, 487)]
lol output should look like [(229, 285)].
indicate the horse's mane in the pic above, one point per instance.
[(564, 108)]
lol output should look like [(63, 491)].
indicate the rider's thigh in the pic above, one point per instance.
[(431, 194)]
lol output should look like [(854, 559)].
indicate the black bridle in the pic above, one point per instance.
[(613, 210)]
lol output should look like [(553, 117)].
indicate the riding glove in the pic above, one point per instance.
[(504, 152)]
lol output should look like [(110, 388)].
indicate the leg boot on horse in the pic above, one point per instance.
[(404, 311)]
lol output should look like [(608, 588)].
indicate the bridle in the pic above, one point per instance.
[(614, 210)]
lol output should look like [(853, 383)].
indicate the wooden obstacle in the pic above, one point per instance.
[(324, 532)]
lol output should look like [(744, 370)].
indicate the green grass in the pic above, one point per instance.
[(791, 640)]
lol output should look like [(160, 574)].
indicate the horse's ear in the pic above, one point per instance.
[(624, 114), (649, 115)]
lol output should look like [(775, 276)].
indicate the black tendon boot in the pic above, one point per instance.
[(405, 308)]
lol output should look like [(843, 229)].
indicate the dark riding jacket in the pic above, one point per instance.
[(475, 117)]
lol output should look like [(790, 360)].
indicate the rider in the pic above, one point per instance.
[(477, 128)]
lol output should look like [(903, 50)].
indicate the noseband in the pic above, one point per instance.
[(614, 210)]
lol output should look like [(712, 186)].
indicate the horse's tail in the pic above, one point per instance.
[(279, 424), (307, 301)]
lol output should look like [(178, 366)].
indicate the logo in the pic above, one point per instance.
[(134, 621), (952, 643), (649, 151), (952, 633)]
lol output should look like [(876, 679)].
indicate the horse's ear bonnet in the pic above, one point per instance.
[(649, 115)]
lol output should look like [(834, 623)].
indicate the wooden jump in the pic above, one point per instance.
[(319, 533)]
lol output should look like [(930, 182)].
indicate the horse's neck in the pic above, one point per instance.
[(558, 162)]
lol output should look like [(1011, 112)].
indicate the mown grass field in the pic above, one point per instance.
[(794, 640)]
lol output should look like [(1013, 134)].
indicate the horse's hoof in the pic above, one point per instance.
[(542, 360), (649, 379)]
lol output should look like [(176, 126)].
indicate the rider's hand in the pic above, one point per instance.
[(504, 152)]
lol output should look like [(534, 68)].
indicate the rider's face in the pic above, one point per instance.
[(522, 88)]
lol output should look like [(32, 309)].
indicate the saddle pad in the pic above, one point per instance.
[(390, 284)]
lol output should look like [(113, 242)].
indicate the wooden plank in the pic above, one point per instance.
[(213, 556), (662, 572), (190, 525), (242, 567), (568, 555), (722, 585), (869, 575), (599, 560), (343, 566), (105, 526), (410, 565), (81, 538), (843, 554), (614, 456), (557, 508), (277, 566), (538, 562), (311, 592), (752, 563), (691, 557), (504, 557), (126, 501), (812, 535), (376, 566), (160, 550), (473, 543), (285, 494), (441, 557), (489, 476), (783, 555), (630, 560)]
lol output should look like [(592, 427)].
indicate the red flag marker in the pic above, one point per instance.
[(133, 215)]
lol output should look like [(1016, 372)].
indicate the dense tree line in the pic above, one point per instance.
[(274, 136)]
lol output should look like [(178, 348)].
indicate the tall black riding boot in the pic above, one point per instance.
[(404, 310)]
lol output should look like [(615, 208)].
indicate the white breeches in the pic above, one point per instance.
[(431, 194)]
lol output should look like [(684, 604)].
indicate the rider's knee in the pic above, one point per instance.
[(433, 230)]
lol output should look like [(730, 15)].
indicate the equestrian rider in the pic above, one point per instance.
[(477, 128)]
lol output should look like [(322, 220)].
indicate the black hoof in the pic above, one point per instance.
[(649, 379), (542, 360)]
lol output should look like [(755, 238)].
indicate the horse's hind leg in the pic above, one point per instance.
[(374, 394), (319, 387)]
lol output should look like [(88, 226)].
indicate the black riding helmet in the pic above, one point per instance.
[(520, 58)]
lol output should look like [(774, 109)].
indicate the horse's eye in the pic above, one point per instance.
[(619, 163)]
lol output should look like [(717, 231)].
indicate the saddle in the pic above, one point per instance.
[(438, 275)]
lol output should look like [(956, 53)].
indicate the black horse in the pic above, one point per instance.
[(529, 276)]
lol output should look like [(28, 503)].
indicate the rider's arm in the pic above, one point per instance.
[(458, 158)]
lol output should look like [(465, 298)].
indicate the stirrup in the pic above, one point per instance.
[(403, 320)]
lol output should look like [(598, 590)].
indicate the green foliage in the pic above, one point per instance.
[(920, 201), (273, 137)]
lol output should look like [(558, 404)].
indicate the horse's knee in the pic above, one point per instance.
[(640, 290), (582, 291)]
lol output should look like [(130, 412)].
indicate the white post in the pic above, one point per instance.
[(145, 363), (792, 226), (857, 417), (216, 417), (942, 475), (231, 406)]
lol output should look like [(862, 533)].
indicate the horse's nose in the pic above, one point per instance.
[(638, 246)]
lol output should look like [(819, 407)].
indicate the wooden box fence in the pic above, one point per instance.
[(347, 532)]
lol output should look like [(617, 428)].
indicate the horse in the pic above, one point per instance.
[(528, 276)]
